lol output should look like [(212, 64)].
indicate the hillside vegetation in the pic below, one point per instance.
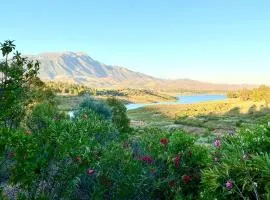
[(96, 154), (212, 118), (70, 95)]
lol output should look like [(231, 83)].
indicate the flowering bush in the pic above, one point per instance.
[(96, 155), (52, 153), (242, 170), (173, 160)]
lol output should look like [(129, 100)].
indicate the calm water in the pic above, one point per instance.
[(185, 99)]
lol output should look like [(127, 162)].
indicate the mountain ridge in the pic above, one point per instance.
[(80, 68)]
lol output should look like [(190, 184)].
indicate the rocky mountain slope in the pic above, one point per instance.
[(82, 69)]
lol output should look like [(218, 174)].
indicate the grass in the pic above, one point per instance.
[(209, 119)]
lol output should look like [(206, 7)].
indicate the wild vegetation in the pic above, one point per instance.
[(216, 117), (45, 154), (69, 95), (257, 94)]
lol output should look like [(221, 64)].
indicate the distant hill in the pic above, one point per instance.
[(82, 69)]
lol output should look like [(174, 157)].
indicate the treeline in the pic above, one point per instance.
[(76, 89), (261, 93), (70, 89)]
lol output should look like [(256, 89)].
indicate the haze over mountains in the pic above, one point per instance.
[(82, 69)]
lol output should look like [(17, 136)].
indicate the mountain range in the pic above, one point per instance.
[(80, 68)]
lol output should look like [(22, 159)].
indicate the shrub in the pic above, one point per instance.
[(41, 116), (97, 106), (240, 166), (18, 77), (50, 160), (119, 117), (174, 162)]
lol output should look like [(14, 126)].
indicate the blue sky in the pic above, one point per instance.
[(224, 41)]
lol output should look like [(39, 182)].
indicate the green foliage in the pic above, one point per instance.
[(97, 106), (19, 85), (41, 117), (119, 112), (174, 161), (50, 156), (242, 159)]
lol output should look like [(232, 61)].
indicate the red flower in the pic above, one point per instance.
[(164, 141), (177, 161), (147, 159), (186, 179), (90, 172)]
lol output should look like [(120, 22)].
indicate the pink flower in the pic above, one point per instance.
[(147, 159), (164, 141), (177, 161), (217, 143), (90, 172), (229, 184), (186, 179)]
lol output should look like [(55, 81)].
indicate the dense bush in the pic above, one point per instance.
[(84, 157), (97, 106), (50, 157), (241, 166), (96, 155), (18, 76), (55, 157), (174, 160), (119, 117)]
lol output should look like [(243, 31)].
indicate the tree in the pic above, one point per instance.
[(119, 118), (18, 75)]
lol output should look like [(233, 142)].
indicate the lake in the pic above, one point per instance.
[(183, 99)]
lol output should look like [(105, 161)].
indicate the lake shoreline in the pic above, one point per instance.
[(181, 99)]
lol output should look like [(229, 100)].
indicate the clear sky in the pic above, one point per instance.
[(225, 41)]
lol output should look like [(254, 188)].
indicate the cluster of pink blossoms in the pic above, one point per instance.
[(217, 143), (147, 159)]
